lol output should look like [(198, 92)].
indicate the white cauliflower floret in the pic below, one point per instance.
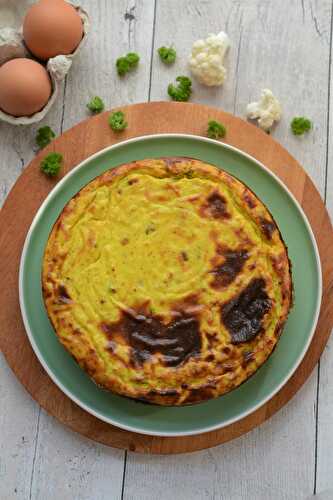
[(206, 60), (267, 110)]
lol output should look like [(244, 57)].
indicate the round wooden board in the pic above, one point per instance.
[(30, 190)]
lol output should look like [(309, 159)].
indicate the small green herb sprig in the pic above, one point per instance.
[(216, 130), (96, 105), (167, 55), (300, 124), (51, 164), (44, 136), (117, 121), (182, 91), (127, 63)]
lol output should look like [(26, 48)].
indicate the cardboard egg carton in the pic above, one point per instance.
[(12, 46)]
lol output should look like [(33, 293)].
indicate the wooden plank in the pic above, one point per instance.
[(78, 468), (18, 424), (260, 465), (195, 20), (265, 462), (18, 147), (324, 457), (117, 28), (68, 466), (20, 414)]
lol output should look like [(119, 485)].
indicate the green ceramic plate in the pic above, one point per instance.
[(213, 414)]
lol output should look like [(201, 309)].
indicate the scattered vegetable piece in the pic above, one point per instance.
[(96, 105), (117, 121), (182, 91), (133, 58), (127, 63), (216, 129), (167, 55), (267, 110), (207, 57), (44, 136), (122, 66), (51, 164), (300, 124)]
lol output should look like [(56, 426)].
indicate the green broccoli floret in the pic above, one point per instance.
[(44, 136), (182, 91), (133, 58), (216, 129), (127, 63), (167, 54), (299, 125), (122, 66), (96, 105), (117, 121), (51, 164)]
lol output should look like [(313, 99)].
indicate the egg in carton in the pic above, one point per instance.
[(12, 46)]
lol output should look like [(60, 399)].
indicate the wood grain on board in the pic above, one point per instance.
[(77, 144)]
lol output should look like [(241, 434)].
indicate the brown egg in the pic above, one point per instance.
[(51, 28), (25, 87)]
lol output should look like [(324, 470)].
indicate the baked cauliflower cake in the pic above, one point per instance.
[(167, 280)]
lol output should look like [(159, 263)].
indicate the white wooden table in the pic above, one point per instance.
[(285, 45)]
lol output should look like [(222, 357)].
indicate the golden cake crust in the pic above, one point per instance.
[(167, 280)]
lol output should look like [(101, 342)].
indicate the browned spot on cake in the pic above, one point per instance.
[(227, 367), (214, 236), (46, 293), (201, 394), (171, 161), (225, 273), (193, 197), (148, 335), (268, 227), (125, 241), (278, 329), (244, 237), (184, 256), (173, 188), (188, 305), (248, 356), (279, 262), (212, 340), (63, 295), (111, 346), (243, 315), (249, 200), (215, 206), (133, 181)]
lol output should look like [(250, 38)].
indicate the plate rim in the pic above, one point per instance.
[(73, 397)]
